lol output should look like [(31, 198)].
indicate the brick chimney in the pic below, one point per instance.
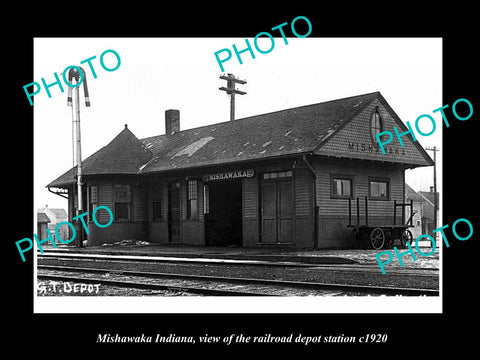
[(172, 121)]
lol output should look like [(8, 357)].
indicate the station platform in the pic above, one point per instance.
[(271, 254)]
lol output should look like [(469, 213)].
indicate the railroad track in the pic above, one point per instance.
[(213, 285), (170, 259), (136, 284), (235, 262)]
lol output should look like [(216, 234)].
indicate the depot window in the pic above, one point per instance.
[(93, 199), (376, 125), (341, 186), (192, 199), (379, 189), (122, 199), (277, 175)]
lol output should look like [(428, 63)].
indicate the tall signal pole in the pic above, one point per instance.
[(73, 74), (232, 91), (435, 198)]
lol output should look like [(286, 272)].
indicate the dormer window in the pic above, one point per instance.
[(376, 125)]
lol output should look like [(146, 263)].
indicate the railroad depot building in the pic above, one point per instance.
[(281, 178)]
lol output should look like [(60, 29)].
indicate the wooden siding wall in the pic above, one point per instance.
[(139, 202), (303, 192), (250, 211), (355, 140), (303, 207), (136, 228), (333, 213), (70, 207), (250, 198), (105, 198), (183, 200), (200, 200)]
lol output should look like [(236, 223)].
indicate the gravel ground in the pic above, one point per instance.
[(63, 288), (332, 274), (322, 256)]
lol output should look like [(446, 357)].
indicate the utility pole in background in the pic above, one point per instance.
[(73, 74), (230, 89), (435, 197)]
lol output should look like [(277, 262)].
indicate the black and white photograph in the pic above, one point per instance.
[(217, 181), (174, 180)]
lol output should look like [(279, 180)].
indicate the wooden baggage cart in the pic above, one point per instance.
[(378, 236)]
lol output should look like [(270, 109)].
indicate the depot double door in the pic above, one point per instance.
[(276, 200)]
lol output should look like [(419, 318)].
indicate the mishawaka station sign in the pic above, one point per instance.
[(370, 148), (229, 175)]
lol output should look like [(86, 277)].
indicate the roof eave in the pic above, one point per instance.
[(241, 162)]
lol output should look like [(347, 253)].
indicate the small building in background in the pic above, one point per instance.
[(417, 221), (42, 224), (428, 210), (423, 213), (55, 216)]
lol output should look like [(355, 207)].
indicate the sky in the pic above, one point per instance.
[(156, 74)]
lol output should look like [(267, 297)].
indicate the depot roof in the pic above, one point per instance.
[(300, 130)]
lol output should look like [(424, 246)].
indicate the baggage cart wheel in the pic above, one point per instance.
[(406, 236), (377, 238)]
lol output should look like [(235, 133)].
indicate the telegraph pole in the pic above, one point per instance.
[(230, 90), (435, 198)]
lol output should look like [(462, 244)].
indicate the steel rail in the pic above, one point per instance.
[(189, 260), (243, 262), (266, 282), (149, 286)]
